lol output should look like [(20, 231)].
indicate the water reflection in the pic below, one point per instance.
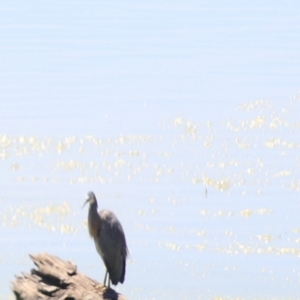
[(213, 205)]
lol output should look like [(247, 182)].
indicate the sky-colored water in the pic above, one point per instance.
[(184, 120)]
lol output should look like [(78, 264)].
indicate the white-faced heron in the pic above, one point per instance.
[(110, 241)]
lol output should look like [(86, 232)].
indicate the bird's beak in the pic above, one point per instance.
[(85, 202)]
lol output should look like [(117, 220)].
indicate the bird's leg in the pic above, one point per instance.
[(108, 281), (102, 288), (104, 281)]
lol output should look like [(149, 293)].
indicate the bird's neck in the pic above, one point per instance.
[(94, 221)]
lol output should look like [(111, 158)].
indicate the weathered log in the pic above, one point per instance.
[(56, 279)]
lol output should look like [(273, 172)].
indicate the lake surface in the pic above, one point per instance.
[(183, 118)]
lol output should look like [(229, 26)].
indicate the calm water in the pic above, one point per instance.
[(183, 118)]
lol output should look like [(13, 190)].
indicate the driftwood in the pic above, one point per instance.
[(56, 279)]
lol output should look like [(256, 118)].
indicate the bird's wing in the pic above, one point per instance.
[(113, 246)]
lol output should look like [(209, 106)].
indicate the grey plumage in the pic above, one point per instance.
[(107, 232)]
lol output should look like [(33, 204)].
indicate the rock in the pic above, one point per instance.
[(57, 279)]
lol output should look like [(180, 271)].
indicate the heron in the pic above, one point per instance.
[(108, 234)]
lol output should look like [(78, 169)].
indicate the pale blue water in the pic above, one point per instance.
[(149, 105)]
